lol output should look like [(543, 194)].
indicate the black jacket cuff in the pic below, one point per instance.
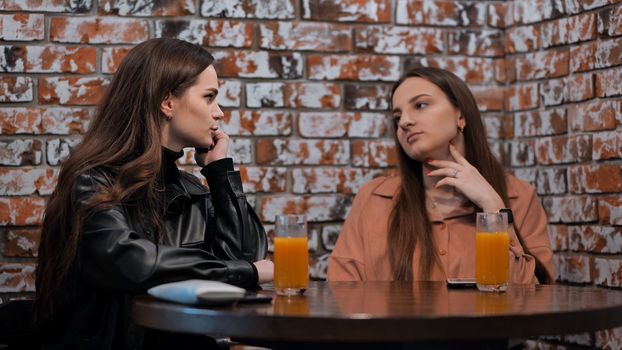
[(242, 273)]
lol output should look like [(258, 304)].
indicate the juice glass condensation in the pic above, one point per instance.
[(492, 252), (291, 255)]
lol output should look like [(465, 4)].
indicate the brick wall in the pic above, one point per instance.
[(305, 87)]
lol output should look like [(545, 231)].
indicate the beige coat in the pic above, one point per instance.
[(361, 250)]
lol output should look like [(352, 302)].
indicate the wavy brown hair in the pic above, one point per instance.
[(123, 141), (409, 224)]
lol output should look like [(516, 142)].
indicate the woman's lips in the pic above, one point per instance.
[(413, 135)]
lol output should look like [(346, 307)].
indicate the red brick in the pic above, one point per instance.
[(208, 33), (599, 178), (341, 124), (496, 15), (258, 64), (156, 8), (20, 152), (575, 268), (112, 57), (367, 97), (580, 87), (585, 339), (58, 149), (72, 90), (305, 36), (583, 57), (510, 69), (610, 210), (473, 70), (554, 92), (607, 145), (318, 267), (399, 40), (353, 67), (48, 59), (542, 64), (317, 207), (241, 150), (540, 123), (520, 97), (499, 126), (488, 98), (15, 89), (558, 236), (311, 95), (230, 93), (330, 234), (476, 42), (500, 70), (592, 4), (22, 27), (331, 180), (563, 149), (274, 9), (65, 121), (531, 11), (608, 82), (17, 277), (522, 39), (369, 11), (264, 179), (526, 174), (595, 239), (374, 153), (610, 21), (258, 123), (440, 13), (582, 28), (522, 153), (27, 181), (608, 272), (307, 152), (98, 30), (609, 338), (551, 181), (20, 120), (609, 53), (22, 243), (80, 6), (555, 33), (21, 211), (595, 116)]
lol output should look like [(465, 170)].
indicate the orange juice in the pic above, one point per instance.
[(492, 259), (291, 262)]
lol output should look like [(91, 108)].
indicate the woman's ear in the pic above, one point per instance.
[(167, 106)]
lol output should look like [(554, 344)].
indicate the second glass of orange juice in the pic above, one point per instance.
[(492, 252), (291, 255)]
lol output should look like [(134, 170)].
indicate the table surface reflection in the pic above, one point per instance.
[(396, 312)]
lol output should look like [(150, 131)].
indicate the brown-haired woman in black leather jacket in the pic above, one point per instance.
[(123, 218)]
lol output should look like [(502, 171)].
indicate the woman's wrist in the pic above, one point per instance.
[(493, 205)]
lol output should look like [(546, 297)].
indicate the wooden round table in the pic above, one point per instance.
[(407, 312)]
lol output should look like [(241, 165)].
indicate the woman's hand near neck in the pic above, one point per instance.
[(429, 181)]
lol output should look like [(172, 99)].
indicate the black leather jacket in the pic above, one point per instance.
[(211, 235)]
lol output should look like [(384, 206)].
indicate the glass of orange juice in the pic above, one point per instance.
[(492, 252), (291, 255)]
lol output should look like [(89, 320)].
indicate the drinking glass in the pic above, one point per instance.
[(492, 260), (291, 255)]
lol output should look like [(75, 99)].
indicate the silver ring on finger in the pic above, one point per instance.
[(456, 171)]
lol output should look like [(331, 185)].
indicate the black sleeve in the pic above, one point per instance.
[(114, 257), (237, 231)]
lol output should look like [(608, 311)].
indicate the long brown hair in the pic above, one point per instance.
[(409, 224), (123, 141)]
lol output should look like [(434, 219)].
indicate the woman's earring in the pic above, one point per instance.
[(461, 128)]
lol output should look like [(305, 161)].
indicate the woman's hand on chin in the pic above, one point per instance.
[(466, 178), (218, 150)]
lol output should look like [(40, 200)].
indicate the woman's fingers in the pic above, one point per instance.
[(448, 172), (447, 181)]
